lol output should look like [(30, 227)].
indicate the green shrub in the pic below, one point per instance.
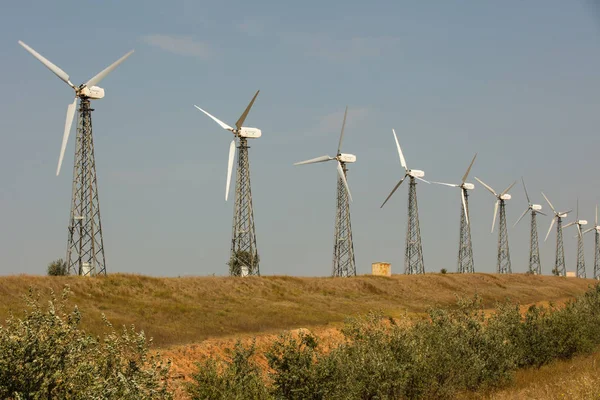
[(237, 378), (452, 350), (58, 268), (46, 355)]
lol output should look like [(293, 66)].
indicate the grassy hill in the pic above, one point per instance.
[(190, 309)]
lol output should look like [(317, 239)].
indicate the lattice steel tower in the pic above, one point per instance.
[(559, 262), (503, 265), (85, 247), (596, 230), (534, 249), (580, 267), (465, 246), (243, 259), (343, 246), (413, 256)]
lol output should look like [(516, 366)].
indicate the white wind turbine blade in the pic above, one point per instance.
[(596, 223), (526, 194), (217, 120), (579, 230), (464, 203), (550, 204), (508, 188), (342, 133), (421, 179), (68, 124), (343, 177), (495, 213), (402, 160), (550, 229), (588, 230), (315, 160), (541, 213), (569, 224), (229, 167), (447, 184), (521, 217), (242, 118), (55, 69), (466, 175), (102, 74), (394, 190), (487, 187)]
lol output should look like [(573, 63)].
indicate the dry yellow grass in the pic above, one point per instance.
[(578, 378), (187, 310)]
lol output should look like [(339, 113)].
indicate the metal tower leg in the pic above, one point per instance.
[(85, 247), (343, 246), (597, 256), (465, 247), (559, 264), (580, 257), (413, 258), (535, 266), (504, 266), (244, 257)]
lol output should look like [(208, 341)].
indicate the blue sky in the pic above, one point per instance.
[(515, 81)]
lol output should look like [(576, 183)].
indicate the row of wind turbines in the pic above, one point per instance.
[(85, 248)]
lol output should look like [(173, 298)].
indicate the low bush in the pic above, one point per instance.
[(453, 350), (46, 355)]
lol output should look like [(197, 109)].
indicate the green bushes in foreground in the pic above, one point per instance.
[(453, 350), (45, 355)]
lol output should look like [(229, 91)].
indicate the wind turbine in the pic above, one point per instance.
[(596, 228), (559, 264), (465, 246), (343, 246), (503, 265), (244, 258), (85, 245), (580, 254), (413, 257), (535, 266)]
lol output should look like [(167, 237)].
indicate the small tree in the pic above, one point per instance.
[(243, 258), (58, 268), (444, 271)]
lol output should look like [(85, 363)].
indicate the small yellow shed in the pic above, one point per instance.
[(381, 269)]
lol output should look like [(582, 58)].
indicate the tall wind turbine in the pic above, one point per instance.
[(85, 245), (559, 263), (343, 246), (580, 254), (413, 256), (535, 266), (503, 265), (243, 259), (596, 228), (465, 246)]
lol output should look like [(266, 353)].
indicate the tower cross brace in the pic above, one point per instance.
[(244, 253), (85, 245), (413, 257), (535, 266), (465, 246), (580, 256), (503, 265), (343, 245)]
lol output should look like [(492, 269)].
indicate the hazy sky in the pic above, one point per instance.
[(518, 82)]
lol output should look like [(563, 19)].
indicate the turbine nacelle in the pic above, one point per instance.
[(536, 207), (467, 186), (505, 196), (93, 92), (346, 158), (581, 222), (562, 215), (415, 173), (250, 133)]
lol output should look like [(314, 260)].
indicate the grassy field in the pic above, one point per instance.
[(176, 311)]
